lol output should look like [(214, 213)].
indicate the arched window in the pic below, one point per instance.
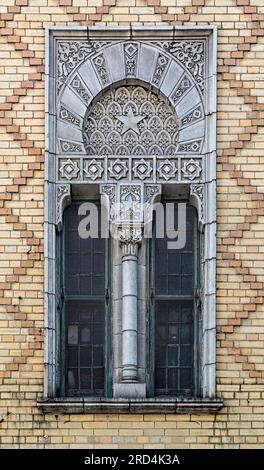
[(131, 118)]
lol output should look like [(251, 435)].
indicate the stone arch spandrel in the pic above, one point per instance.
[(143, 63)]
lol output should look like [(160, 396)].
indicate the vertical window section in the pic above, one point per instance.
[(84, 281), (174, 313)]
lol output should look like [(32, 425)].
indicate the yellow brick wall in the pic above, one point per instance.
[(240, 217)]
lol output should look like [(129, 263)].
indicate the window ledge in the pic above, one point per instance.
[(148, 405)]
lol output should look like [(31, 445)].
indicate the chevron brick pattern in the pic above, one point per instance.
[(240, 202)]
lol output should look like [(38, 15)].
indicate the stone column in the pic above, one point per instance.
[(130, 239)]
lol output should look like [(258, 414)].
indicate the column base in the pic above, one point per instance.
[(129, 390)]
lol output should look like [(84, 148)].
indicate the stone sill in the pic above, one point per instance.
[(148, 405)]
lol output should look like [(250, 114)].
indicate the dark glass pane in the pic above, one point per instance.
[(161, 284), (98, 356), (73, 218), (85, 356), (161, 356), (186, 378), (187, 263), (173, 352), (98, 245), (160, 378), (84, 275), (173, 378), (189, 242), (173, 333), (98, 379), (88, 352), (162, 311), (174, 263), (72, 378), (73, 242), (161, 333), (84, 258), (72, 284), (174, 285), (99, 259), (85, 246), (85, 285), (86, 334), (189, 218), (73, 263), (98, 312), (72, 334), (161, 265), (186, 333), (186, 312), (98, 285), (174, 315), (72, 357), (161, 244), (85, 379), (186, 356), (86, 263), (187, 285), (86, 316), (98, 334)]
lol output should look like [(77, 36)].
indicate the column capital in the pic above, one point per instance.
[(130, 238)]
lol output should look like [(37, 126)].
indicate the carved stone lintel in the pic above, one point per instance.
[(197, 200), (130, 237), (63, 199)]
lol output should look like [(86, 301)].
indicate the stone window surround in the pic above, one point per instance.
[(206, 210)]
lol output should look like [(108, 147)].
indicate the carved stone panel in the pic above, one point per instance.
[(94, 120), (130, 120)]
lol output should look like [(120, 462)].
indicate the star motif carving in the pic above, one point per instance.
[(167, 169), (69, 169), (118, 169), (142, 169), (191, 169), (130, 121), (93, 169)]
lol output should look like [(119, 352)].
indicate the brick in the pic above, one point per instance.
[(6, 31)]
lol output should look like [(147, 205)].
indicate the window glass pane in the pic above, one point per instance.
[(72, 334), (73, 378), (86, 334), (88, 353), (84, 259), (173, 353), (85, 379), (98, 379), (174, 348), (84, 275), (174, 314), (72, 358), (175, 268), (85, 356)]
